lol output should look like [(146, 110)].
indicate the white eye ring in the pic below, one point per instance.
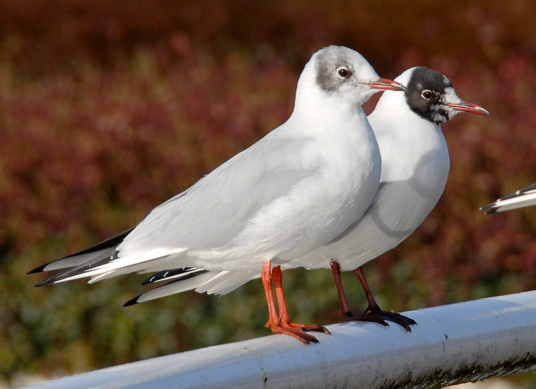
[(427, 94)]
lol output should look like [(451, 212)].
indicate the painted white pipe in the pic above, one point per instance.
[(451, 344)]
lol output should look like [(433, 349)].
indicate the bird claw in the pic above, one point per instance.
[(366, 317), (307, 327), (381, 317), (403, 321), (297, 331)]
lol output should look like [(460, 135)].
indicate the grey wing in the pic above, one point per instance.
[(215, 209), (106, 248)]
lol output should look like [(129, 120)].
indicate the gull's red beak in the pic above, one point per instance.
[(385, 84), (469, 107)]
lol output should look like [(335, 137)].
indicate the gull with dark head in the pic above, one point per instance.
[(415, 167), (297, 189)]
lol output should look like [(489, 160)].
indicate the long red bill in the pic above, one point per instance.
[(469, 107), (385, 84)]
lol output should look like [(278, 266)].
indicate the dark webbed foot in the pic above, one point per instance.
[(349, 316), (381, 317), (394, 317), (373, 313)]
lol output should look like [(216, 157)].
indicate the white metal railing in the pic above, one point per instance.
[(451, 344)]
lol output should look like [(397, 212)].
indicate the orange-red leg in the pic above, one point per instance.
[(266, 277), (274, 321), (284, 318)]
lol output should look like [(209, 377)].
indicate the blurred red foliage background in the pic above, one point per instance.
[(108, 109)]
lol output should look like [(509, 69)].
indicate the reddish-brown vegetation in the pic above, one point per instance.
[(109, 108)]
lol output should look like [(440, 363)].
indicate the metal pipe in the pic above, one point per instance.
[(451, 344)]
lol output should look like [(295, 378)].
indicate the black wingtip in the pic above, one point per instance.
[(162, 275), (48, 281), (132, 301), (488, 208), (149, 280), (108, 243), (38, 269), (186, 272), (53, 279)]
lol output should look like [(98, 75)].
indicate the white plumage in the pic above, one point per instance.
[(298, 188), (415, 167)]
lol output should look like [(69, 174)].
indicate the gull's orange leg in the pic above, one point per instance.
[(273, 320), (284, 318), (266, 277)]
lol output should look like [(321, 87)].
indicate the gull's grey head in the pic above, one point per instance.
[(344, 72), (341, 75), (337, 66), (430, 94)]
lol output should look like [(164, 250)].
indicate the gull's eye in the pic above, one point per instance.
[(343, 72), (427, 94)]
